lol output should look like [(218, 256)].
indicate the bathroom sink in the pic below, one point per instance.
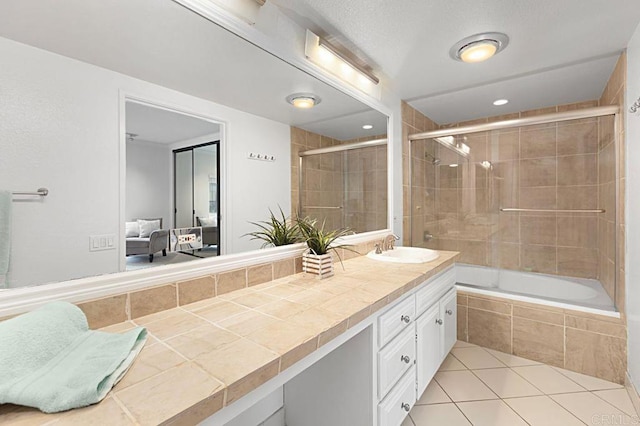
[(405, 255)]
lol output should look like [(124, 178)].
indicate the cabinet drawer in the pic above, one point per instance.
[(395, 407), (395, 320), (430, 293), (395, 359)]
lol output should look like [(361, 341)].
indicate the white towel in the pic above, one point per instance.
[(6, 199)]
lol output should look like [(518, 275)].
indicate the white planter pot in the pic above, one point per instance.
[(319, 265)]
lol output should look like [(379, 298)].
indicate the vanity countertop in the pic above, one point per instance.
[(206, 355)]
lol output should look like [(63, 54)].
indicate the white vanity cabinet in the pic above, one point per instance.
[(414, 337)]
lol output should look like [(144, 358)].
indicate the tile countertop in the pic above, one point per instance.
[(203, 356)]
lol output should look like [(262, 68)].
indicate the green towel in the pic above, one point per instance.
[(49, 359)]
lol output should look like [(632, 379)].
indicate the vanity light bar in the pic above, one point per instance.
[(331, 48)]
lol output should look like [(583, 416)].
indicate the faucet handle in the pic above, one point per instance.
[(378, 248)]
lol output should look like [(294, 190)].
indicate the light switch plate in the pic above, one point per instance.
[(102, 242)]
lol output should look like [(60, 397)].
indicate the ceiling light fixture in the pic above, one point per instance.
[(338, 62), (500, 102), (367, 126), (303, 100), (479, 47)]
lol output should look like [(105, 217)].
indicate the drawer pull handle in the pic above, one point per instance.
[(406, 407), (449, 312), (405, 359), (405, 319), (439, 321)]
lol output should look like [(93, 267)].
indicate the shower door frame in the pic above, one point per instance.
[(602, 111)]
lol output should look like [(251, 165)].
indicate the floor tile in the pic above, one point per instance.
[(461, 344), (433, 395), (542, 411), (547, 379), (438, 415), (619, 398), (490, 413), (463, 386), (477, 357), (511, 360), (589, 382), (506, 383), (591, 409), (450, 363)]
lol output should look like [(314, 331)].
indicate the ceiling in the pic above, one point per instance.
[(164, 43), (164, 127), (560, 51)]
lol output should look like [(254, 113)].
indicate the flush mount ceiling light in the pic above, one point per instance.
[(367, 126), (500, 102), (479, 47), (304, 100)]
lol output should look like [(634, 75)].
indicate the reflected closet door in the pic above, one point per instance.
[(184, 211)]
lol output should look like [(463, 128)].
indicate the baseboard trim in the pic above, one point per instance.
[(633, 393)]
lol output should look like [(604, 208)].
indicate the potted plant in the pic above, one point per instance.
[(277, 231), (317, 260)]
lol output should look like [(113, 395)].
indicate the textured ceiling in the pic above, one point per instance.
[(409, 42), (164, 43)]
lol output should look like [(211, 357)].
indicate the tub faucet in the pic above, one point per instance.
[(389, 241)]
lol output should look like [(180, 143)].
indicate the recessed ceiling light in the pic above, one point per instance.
[(453, 165), (479, 47), (367, 126), (303, 100), (499, 102)]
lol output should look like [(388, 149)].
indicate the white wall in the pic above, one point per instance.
[(60, 128), (148, 182), (633, 209)]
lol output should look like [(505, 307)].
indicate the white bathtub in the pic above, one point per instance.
[(566, 292)]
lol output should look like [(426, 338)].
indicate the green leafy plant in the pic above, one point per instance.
[(277, 231), (321, 241)]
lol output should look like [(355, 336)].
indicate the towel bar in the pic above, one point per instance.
[(43, 192)]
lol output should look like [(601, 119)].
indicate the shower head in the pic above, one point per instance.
[(435, 161)]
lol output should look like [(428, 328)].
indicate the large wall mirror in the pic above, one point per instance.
[(130, 111)]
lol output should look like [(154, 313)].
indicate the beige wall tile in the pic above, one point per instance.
[(538, 198), (461, 323), (578, 170), (540, 142), (577, 262), (596, 326), (538, 230), (538, 172), (556, 318), (231, 281), (197, 289), (536, 258), (596, 355), (577, 231), (283, 268), (578, 197), (490, 304), (538, 341), (107, 311), (489, 329), (577, 138), (153, 300)]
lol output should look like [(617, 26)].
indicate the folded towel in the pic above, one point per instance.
[(6, 200), (49, 359)]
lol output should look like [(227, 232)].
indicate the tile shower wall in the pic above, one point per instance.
[(567, 165), (354, 180)]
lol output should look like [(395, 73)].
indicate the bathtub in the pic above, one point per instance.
[(563, 292)]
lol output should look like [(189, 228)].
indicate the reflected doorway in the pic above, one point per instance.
[(158, 141), (197, 193)]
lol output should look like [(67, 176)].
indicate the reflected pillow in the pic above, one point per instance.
[(208, 221), (131, 229), (147, 227)]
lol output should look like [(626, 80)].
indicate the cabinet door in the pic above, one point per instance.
[(449, 316), (429, 352)]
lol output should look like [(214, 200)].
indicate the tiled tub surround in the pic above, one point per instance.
[(205, 355), (586, 343)]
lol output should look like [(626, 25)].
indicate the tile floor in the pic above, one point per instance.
[(482, 387)]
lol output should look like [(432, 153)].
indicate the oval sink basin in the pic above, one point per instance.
[(405, 255)]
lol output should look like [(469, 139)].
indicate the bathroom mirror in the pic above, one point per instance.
[(70, 70)]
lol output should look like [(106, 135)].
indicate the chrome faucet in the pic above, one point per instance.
[(389, 241)]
